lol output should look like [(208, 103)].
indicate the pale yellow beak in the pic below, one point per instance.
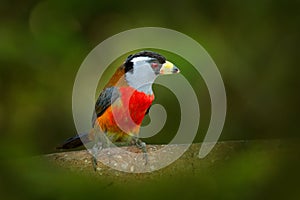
[(168, 68)]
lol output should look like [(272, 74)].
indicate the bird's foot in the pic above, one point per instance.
[(142, 145), (94, 163), (95, 151)]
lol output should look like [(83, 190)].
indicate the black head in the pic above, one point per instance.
[(129, 64), (141, 69)]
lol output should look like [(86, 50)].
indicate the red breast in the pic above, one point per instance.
[(126, 114)]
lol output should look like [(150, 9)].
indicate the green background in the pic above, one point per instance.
[(255, 45)]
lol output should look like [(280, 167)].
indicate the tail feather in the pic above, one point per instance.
[(74, 142)]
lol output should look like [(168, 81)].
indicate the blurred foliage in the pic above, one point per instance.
[(42, 44)]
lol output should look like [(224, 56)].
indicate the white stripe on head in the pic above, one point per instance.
[(141, 58)]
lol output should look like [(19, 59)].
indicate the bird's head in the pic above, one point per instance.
[(142, 68)]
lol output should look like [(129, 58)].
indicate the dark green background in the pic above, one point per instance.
[(255, 45)]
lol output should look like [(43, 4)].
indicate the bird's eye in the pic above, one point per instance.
[(154, 64)]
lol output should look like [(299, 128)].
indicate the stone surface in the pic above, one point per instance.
[(189, 162)]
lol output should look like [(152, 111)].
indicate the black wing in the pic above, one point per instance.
[(105, 99), (147, 111)]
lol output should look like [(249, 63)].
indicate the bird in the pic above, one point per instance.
[(123, 103)]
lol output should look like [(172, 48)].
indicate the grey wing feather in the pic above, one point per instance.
[(105, 99)]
